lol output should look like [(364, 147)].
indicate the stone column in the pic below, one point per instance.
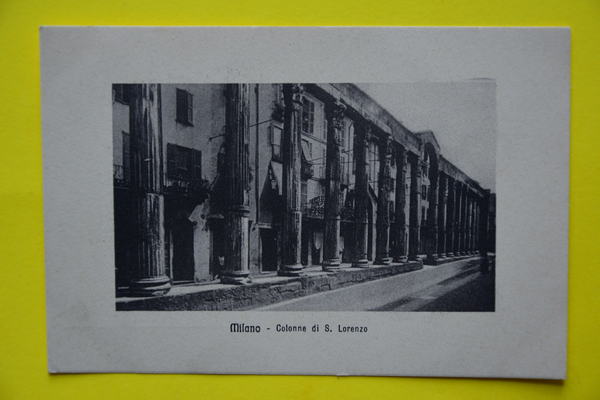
[(458, 219), (476, 226), (468, 224), (399, 228), (450, 218), (432, 239), (291, 264), (236, 269), (465, 220), (333, 170), (461, 218), (483, 231), (471, 223), (467, 217), (382, 248), (148, 252), (442, 204), (361, 187), (415, 206)]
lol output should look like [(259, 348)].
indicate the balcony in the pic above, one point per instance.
[(315, 208)]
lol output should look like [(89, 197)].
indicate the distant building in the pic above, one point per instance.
[(231, 181)]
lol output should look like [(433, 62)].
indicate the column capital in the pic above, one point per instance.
[(401, 153), (338, 110), (293, 95)]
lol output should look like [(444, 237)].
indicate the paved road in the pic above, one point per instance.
[(471, 292), (455, 286)]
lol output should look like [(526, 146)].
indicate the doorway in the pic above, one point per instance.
[(268, 241), (183, 250)]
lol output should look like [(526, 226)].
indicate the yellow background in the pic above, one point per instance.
[(22, 316)]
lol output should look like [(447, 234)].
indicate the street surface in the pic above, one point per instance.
[(473, 292), (455, 286)]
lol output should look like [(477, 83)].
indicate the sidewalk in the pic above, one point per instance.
[(263, 290)]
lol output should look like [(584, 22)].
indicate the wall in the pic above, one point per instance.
[(259, 137), (206, 134), (120, 124)]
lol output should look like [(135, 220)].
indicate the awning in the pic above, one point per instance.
[(276, 176)]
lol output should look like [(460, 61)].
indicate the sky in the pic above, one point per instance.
[(462, 115)]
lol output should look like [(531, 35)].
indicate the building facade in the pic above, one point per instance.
[(231, 181)]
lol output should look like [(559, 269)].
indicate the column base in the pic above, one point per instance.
[(383, 260), (232, 279), (431, 259), (290, 270), (401, 259), (148, 287), (361, 263), (331, 264)]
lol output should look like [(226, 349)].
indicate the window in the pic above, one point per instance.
[(349, 144), (183, 163), (308, 116), (344, 168), (276, 142), (126, 156), (307, 149), (424, 192), (196, 164), (185, 111), (120, 93), (373, 166), (322, 163), (277, 93), (304, 194)]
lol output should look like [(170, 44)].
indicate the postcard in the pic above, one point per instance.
[(307, 200)]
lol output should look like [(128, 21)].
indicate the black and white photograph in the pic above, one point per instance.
[(305, 196), (306, 200)]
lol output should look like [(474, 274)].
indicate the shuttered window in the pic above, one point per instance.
[(183, 163), (308, 116), (196, 165), (275, 138), (185, 107), (304, 194)]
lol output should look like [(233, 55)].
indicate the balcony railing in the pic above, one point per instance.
[(315, 208), (189, 186)]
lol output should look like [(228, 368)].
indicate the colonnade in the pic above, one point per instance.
[(455, 224)]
